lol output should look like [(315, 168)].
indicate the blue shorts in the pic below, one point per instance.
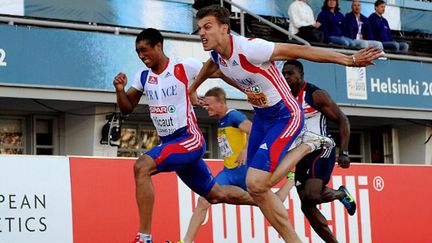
[(318, 164), (176, 154), (274, 130), (234, 177)]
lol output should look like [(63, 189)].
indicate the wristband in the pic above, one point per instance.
[(344, 153)]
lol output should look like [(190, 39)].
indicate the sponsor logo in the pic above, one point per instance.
[(171, 109), (153, 80), (158, 109), (222, 62), (253, 89), (256, 89), (250, 226)]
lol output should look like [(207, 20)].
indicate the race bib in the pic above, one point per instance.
[(257, 99), (224, 147)]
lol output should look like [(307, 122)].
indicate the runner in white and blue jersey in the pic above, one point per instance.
[(165, 84), (278, 118)]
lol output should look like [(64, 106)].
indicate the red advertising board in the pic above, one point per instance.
[(392, 206)]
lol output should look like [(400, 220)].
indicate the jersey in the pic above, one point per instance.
[(318, 164), (278, 118), (249, 65), (315, 121), (167, 95), (230, 138)]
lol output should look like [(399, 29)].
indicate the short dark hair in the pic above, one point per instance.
[(220, 13), (379, 2), (152, 36), (296, 64), (325, 6), (217, 92)]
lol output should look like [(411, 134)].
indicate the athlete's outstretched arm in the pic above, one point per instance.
[(362, 58), (126, 101), (206, 72), (332, 112)]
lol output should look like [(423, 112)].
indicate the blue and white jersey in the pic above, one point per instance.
[(315, 121), (167, 95)]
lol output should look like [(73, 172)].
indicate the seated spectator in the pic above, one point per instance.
[(331, 22), (357, 27), (381, 29), (302, 22)]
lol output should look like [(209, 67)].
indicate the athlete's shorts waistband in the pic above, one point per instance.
[(178, 133), (277, 110)]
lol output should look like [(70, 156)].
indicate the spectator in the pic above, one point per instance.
[(381, 29), (358, 28), (331, 22), (302, 22)]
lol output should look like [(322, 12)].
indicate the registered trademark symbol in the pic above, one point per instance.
[(378, 183)]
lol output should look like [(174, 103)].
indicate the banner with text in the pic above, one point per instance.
[(103, 196), (35, 199)]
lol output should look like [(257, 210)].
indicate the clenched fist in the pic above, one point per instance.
[(120, 81)]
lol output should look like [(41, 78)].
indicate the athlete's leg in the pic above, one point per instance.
[(259, 185), (224, 177), (309, 196), (314, 173), (197, 219), (282, 193), (278, 130), (144, 167), (289, 161), (197, 176), (308, 142)]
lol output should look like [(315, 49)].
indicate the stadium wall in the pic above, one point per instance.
[(86, 199), (77, 60)]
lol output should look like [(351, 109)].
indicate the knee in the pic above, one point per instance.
[(257, 186), (216, 195), (202, 204), (143, 167), (306, 208)]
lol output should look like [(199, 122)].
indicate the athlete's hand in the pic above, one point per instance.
[(366, 56), (195, 100), (120, 81), (241, 159), (343, 161)]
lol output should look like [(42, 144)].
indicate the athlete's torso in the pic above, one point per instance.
[(315, 121), (231, 139), (250, 67), (168, 100)]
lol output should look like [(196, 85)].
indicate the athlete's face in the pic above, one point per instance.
[(293, 77), (214, 106), (211, 32), (148, 54)]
